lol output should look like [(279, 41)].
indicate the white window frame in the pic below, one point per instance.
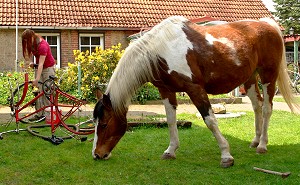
[(91, 35), (58, 62)]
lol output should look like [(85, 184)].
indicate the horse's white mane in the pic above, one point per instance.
[(140, 57)]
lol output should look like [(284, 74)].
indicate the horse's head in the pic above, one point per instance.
[(109, 129)]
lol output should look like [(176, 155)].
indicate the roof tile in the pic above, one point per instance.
[(133, 14)]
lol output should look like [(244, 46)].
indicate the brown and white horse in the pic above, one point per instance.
[(179, 56)]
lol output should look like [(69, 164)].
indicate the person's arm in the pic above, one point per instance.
[(39, 70), (28, 61)]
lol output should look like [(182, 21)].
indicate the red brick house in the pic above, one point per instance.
[(85, 24)]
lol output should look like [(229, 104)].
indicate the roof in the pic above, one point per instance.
[(123, 14)]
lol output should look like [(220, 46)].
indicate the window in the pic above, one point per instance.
[(90, 42), (54, 41)]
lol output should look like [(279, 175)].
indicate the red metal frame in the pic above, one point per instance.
[(54, 100)]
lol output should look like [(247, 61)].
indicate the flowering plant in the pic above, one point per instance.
[(96, 70)]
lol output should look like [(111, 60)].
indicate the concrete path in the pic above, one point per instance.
[(143, 110), (136, 110)]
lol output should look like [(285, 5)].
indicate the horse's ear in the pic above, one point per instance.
[(98, 94), (106, 100)]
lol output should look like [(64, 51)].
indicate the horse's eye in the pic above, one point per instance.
[(104, 125)]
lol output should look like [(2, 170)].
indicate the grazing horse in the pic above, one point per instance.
[(180, 56)]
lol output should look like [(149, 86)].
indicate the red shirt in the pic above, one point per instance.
[(44, 49)]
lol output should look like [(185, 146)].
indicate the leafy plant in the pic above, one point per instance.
[(96, 70), (9, 81), (288, 13), (145, 93)]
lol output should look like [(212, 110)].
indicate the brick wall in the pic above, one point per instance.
[(69, 42), (115, 37)]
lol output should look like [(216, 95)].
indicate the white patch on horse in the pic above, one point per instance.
[(210, 119), (252, 94), (267, 105), (95, 140), (211, 39), (171, 119), (175, 53)]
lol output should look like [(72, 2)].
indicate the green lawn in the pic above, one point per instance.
[(280, 99), (25, 159)]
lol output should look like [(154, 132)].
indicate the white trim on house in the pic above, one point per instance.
[(58, 46), (100, 35)]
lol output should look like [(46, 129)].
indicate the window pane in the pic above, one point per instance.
[(54, 52), (93, 49), (95, 40), (83, 49), (85, 40), (52, 40)]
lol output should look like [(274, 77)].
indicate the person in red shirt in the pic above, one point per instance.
[(34, 45)]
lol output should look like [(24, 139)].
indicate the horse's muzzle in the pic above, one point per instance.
[(105, 156)]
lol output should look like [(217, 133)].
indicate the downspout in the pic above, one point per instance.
[(17, 17), (79, 79)]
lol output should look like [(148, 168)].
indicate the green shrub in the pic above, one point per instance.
[(96, 70), (9, 81), (145, 93)]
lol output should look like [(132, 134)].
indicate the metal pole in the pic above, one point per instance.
[(296, 56), (17, 17), (79, 78)]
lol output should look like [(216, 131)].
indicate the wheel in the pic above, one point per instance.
[(44, 131), (81, 118), (297, 86), (15, 99), (292, 71)]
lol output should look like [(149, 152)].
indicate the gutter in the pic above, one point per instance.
[(69, 28)]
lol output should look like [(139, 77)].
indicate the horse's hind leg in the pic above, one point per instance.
[(263, 109), (253, 93), (201, 101), (169, 100), (268, 80)]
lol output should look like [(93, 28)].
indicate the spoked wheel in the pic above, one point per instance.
[(79, 117), (292, 70), (26, 114), (44, 132), (87, 126), (297, 86)]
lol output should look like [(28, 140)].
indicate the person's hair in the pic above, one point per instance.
[(27, 45)]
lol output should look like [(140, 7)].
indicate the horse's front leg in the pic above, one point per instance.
[(201, 101), (169, 100)]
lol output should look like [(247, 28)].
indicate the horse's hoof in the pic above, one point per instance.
[(254, 144), (261, 150), (168, 156), (227, 162)]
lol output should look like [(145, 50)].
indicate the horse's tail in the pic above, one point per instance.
[(283, 79), (283, 82)]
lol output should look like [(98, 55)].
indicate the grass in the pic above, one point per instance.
[(186, 97), (25, 159), (280, 99)]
